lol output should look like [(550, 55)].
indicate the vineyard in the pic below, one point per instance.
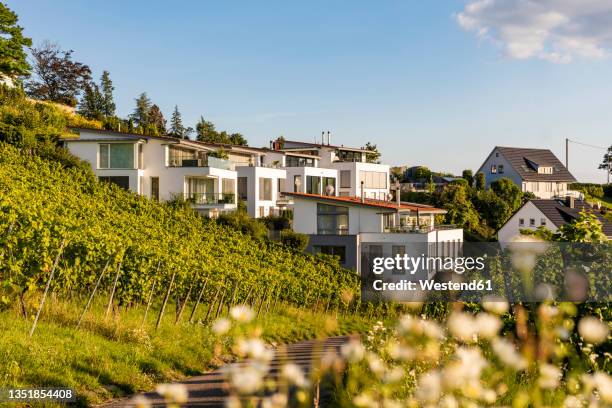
[(64, 233)]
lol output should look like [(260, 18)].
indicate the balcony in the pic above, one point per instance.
[(419, 229), (211, 198), (208, 161)]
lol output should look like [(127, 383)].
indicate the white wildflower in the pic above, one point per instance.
[(255, 349), (487, 325), (571, 401), (242, 313), (508, 354), (603, 382), (400, 352), (376, 364), (429, 387), (232, 402), (592, 330), (462, 326), (495, 304), (277, 400), (221, 326), (176, 393), (364, 400), (246, 379), (294, 375), (353, 351), (140, 401), (549, 376), (448, 401), (393, 375)]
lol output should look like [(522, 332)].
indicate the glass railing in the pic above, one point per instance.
[(202, 162), (211, 198)]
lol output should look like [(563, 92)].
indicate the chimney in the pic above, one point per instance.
[(569, 201), (398, 194), (328, 138), (362, 193), (322, 138)]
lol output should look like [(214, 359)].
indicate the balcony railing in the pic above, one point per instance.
[(422, 229), (333, 231), (211, 198), (202, 162)]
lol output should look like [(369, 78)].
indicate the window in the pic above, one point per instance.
[(500, 169), (496, 154), (543, 221), (373, 179), (349, 156), (313, 185), (493, 169), (243, 193), (279, 184), (201, 189), (140, 156), (227, 191), (345, 179), (121, 181), (265, 188), (332, 219), (388, 221), (297, 184), (532, 222), (521, 222), (116, 156), (333, 250), (297, 161), (180, 157), (376, 251), (155, 188), (329, 186), (262, 211)]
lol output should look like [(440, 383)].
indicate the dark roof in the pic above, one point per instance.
[(520, 159), (369, 202), (306, 145), (559, 213)]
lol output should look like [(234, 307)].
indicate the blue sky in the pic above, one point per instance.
[(435, 83)]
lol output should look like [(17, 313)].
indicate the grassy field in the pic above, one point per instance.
[(114, 357)]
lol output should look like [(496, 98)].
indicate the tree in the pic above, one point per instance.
[(156, 119), (468, 176), (508, 191), (91, 105), (237, 139), (606, 163), (480, 181), (13, 58), (57, 77), (176, 124), (586, 228), (205, 131), (492, 208), (460, 210), (108, 103), (422, 172), (141, 112), (373, 155)]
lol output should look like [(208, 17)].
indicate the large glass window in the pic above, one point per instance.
[(373, 179), (265, 188), (180, 157), (349, 156), (313, 184), (345, 178), (116, 156), (121, 181), (329, 186), (243, 188), (298, 161), (332, 219)]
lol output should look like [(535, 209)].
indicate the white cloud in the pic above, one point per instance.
[(553, 30)]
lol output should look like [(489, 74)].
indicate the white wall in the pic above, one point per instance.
[(511, 229), (355, 168), (253, 174), (308, 171)]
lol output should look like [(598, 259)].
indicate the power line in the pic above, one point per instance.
[(588, 145)]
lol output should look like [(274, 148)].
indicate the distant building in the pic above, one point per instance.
[(551, 214), (534, 170)]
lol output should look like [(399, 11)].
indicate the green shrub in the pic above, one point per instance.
[(588, 189), (294, 240)]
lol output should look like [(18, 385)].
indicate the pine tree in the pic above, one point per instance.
[(108, 103), (13, 58), (176, 124), (91, 105), (157, 120), (141, 112)]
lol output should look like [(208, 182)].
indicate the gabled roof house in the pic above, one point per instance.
[(537, 171)]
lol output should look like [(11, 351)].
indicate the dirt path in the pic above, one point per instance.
[(211, 389)]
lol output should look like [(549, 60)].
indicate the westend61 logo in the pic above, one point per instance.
[(410, 264)]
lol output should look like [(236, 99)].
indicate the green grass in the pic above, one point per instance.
[(113, 357)]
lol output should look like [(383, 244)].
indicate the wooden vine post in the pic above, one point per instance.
[(93, 292), (112, 295), (195, 307), (42, 301), (161, 311)]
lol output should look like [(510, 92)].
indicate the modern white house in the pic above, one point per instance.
[(160, 168), (355, 174), (550, 214), (537, 171), (351, 227)]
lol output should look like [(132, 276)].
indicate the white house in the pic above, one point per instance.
[(550, 214), (161, 168), (349, 227), (355, 174), (534, 170)]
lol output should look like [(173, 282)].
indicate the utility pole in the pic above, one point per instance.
[(566, 153)]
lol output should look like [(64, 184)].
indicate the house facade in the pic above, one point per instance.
[(161, 168), (537, 171), (550, 214), (355, 175), (353, 227)]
